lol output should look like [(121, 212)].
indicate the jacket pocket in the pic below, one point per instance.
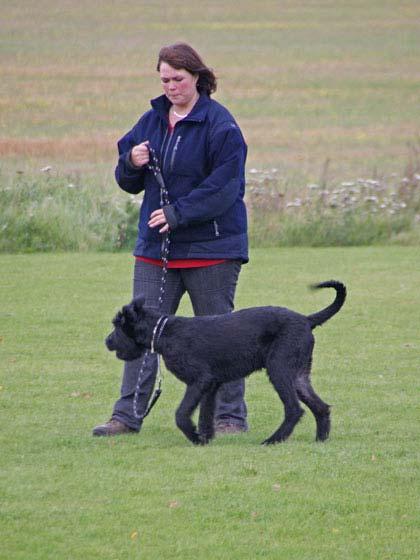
[(196, 233)]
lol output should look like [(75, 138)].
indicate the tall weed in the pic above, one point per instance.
[(360, 212), (49, 212)]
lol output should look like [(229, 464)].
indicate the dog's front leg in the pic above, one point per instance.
[(206, 418), (185, 411)]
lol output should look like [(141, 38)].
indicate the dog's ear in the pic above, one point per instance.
[(117, 320), (138, 303), (130, 316)]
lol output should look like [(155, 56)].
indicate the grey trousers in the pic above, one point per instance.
[(211, 290)]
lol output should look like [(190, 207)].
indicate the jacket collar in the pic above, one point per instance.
[(162, 105)]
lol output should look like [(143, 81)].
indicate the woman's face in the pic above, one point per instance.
[(179, 85)]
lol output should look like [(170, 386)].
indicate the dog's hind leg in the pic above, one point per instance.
[(283, 381), (206, 418), (318, 407)]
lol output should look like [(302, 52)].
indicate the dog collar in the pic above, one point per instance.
[(157, 331)]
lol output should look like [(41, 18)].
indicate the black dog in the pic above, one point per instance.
[(205, 352)]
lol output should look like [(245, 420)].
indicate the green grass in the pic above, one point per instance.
[(65, 494)]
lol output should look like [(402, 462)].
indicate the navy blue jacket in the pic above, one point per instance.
[(203, 165)]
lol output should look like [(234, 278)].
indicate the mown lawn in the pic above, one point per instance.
[(65, 494)]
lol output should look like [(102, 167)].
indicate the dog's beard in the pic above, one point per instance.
[(125, 347)]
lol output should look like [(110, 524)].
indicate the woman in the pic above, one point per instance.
[(202, 157)]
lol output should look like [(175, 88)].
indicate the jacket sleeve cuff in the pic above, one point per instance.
[(170, 215)]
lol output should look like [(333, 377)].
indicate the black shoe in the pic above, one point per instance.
[(112, 428)]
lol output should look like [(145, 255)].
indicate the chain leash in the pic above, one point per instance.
[(154, 167)]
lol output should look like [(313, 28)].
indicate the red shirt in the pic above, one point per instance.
[(182, 263)]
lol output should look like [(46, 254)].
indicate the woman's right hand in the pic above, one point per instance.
[(140, 154)]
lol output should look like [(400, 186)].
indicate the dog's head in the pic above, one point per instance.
[(128, 339)]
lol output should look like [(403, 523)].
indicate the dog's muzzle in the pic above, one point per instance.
[(124, 346)]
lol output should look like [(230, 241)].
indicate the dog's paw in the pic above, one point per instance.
[(195, 438), (205, 439), (271, 441)]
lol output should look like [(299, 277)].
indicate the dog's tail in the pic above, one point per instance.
[(317, 319)]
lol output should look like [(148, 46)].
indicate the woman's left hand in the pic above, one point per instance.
[(157, 218)]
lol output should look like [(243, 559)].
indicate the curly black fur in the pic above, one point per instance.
[(205, 352)]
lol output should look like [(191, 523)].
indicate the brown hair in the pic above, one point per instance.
[(183, 57)]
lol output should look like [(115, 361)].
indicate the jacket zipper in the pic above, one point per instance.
[(166, 149), (163, 144), (178, 140), (216, 228)]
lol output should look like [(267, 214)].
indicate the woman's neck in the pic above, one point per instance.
[(181, 111)]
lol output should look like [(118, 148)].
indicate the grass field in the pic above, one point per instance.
[(325, 92), (307, 81), (65, 494)]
